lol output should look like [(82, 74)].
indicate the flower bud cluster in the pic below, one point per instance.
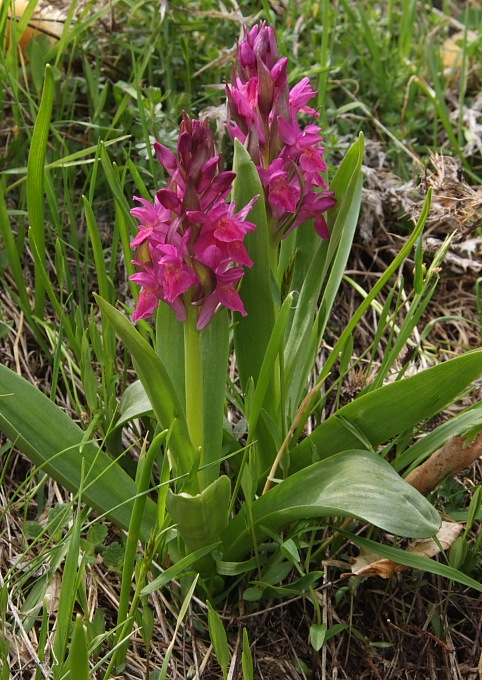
[(264, 116), (190, 247)]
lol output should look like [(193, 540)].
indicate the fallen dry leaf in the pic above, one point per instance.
[(453, 53), (52, 594), (369, 564), (454, 456), (46, 20)]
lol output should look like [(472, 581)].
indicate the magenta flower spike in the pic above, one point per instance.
[(264, 115), (190, 247)]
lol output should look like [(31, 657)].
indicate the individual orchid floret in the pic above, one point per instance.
[(153, 218), (190, 248), (225, 293), (176, 275), (283, 189), (151, 291), (313, 207), (222, 234), (300, 95)]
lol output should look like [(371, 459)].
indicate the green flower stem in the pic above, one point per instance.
[(194, 386)]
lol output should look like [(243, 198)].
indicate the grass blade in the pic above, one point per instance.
[(181, 615), (219, 639), (35, 185), (69, 587), (79, 656)]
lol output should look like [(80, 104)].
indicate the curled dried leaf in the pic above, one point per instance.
[(454, 456), (369, 564)]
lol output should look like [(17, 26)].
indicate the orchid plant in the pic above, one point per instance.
[(253, 242), (241, 268)]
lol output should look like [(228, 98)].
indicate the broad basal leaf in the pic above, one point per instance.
[(52, 441), (386, 412), (201, 519), (134, 403), (354, 483)]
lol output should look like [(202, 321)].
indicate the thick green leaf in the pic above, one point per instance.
[(389, 410), (272, 351), (353, 484), (170, 347), (134, 403), (215, 355), (52, 441), (264, 431), (318, 635), (296, 254), (345, 337), (252, 332), (202, 518), (344, 216), (159, 388), (330, 258)]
